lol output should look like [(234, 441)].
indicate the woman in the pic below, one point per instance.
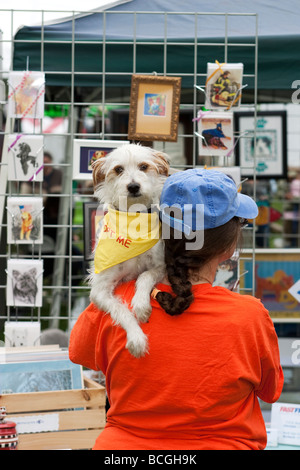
[(212, 352)]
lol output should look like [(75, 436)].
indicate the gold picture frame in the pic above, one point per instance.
[(154, 108)]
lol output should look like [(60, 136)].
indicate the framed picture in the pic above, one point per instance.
[(154, 108), (86, 151), (41, 376), (24, 220), (93, 214), (24, 283), (215, 130), (25, 157), (26, 94), (266, 140), (276, 271), (223, 85)]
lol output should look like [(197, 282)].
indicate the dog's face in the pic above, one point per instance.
[(129, 176)]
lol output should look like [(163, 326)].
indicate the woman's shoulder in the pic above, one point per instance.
[(239, 297)]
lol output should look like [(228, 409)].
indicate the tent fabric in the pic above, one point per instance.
[(151, 25)]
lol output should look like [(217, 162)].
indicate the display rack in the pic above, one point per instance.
[(67, 295)]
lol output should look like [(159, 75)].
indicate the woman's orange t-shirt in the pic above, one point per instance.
[(198, 386)]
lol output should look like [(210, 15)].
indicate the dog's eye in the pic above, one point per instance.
[(119, 169), (143, 166)]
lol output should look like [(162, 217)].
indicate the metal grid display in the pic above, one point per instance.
[(64, 293)]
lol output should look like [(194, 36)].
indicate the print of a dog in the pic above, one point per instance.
[(133, 174), (26, 158)]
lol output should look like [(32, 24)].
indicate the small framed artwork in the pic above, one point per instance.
[(40, 376), (276, 272), (86, 151), (24, 220), (26, 94), (154, 108), (93, 214), (24, 283), (223, 85), (263, 144), (25, 157), (215, 131)]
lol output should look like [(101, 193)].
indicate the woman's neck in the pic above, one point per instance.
[(205, 275)]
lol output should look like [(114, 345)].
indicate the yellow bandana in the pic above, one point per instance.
[(125, 235)]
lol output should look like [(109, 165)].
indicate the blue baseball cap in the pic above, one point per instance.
[(203, 199)]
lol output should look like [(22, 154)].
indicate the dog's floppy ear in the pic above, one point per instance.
[(98, 173), (162, 161)]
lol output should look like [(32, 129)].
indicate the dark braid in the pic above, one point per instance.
[(182, 263), (177, 272)]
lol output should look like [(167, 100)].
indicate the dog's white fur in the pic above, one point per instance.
[(130, 178)]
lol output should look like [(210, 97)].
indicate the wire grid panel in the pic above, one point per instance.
[(91, 99)]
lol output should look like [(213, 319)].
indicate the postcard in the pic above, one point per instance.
[(223, 85), (215, 131), (25, 157), (26, 94), (24, 283), (24, 220)]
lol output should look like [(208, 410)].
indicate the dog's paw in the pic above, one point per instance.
[(137, 345), (141, 308), (142, 313)]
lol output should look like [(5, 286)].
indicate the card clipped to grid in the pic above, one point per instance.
[(26, 91), (224, 85)]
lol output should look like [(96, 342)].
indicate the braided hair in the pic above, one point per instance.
[(182, 264)]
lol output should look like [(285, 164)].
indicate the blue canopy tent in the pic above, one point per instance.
[(123, 38)]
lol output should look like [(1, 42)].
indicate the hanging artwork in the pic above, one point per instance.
[(26, 94), (276, 273), (87, 151), (215, 131), (223, 85), (24, 283), (25, 157), (154, 108), (24, 220), (264, 148)]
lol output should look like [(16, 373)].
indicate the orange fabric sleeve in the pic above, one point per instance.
[(84, 336)]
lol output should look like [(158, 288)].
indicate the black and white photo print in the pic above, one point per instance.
[(25, 157), (24, 283)]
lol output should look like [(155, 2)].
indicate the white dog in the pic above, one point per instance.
[(130, 181)]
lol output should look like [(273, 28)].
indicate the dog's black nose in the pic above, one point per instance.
[(133, 188)]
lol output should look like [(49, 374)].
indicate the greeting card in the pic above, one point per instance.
[(223, 85), (24, 220), (24, 283), (215, 130), (25, 157), (26, 94)]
